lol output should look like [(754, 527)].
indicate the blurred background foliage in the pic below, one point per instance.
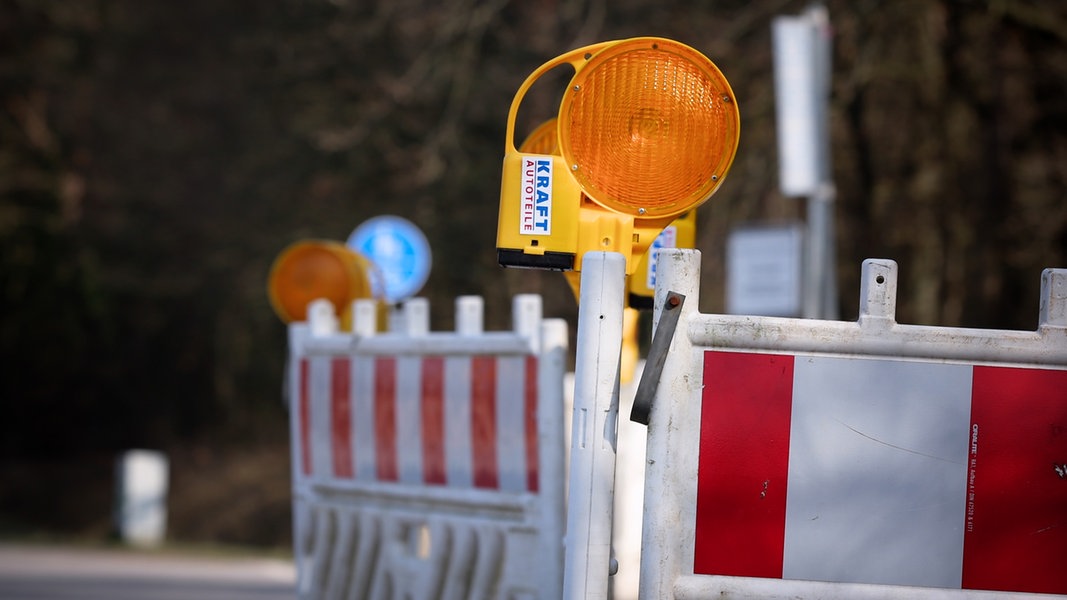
[(156, 156)]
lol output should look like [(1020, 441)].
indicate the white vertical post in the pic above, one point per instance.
[(322, 318), (526, 318), (141, 511), (469, 315), (665, 499), (365, 317), (595, 419), (417, 317), (878, 292), (551, 372), (1053, 312), (802, 68)]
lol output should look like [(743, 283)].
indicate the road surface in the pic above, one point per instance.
[(29, 572)]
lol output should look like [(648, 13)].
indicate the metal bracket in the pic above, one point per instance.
[(657, 354)]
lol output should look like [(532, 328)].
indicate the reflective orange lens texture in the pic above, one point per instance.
[(650, 128)]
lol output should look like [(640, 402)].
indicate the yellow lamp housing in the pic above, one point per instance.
[(312, 269), (681, 233), (646, 131)]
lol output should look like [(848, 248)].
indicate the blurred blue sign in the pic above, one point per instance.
[(400, 252)]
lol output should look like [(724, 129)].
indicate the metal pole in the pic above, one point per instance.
[(802, 51), (820, 283), (822, 200), (825, 199), (815, 257), (588, 562)]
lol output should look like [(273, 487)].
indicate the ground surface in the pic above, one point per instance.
[(46, 572)]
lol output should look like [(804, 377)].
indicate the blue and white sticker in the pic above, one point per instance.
[(668, 238), (536, 195)]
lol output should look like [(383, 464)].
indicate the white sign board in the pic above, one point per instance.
[(763, 266), (801, 72)]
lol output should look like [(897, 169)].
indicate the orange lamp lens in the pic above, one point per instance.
[(649, 127), (309, 270)]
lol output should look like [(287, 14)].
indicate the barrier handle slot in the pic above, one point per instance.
[(657, 354)]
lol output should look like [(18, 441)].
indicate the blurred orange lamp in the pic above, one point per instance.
[(312, 269), (646, 131)]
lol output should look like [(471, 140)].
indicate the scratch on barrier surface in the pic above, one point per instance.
[(894, 446), (1049, 528)]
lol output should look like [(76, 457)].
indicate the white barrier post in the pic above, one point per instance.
[(141, 503), (665, 497), (469, 311), (596, 405), (365, 317), (416, 317), (554, 340), (321, 318), (1053, 299)]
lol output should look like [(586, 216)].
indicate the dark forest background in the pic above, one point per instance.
[(155, 157)]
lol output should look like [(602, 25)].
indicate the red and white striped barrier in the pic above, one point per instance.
[(454, 421), (428, 464), (804, 458)]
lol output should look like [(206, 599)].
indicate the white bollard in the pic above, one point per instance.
[(594, 425), (141, 497)]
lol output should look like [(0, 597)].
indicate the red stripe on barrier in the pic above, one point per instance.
[(1015, 538), (341, 416), (385, 418), (532, 465), (433, 420), (744, 464), (483, 422), (304, 411)]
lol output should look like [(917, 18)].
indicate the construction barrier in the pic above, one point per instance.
[(428, 464), (792, 458)]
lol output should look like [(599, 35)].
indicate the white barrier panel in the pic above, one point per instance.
[(428, 464), (823, 459)]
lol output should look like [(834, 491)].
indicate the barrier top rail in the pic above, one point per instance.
[(866, 459), (411, 333)]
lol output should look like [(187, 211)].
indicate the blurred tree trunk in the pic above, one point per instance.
[(950, 137)]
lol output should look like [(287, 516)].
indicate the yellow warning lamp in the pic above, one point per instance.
[(646, 131), (681, 233), (641, 288), (311, 269)]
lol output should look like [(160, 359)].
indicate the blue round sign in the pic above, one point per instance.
[(400, 252)]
